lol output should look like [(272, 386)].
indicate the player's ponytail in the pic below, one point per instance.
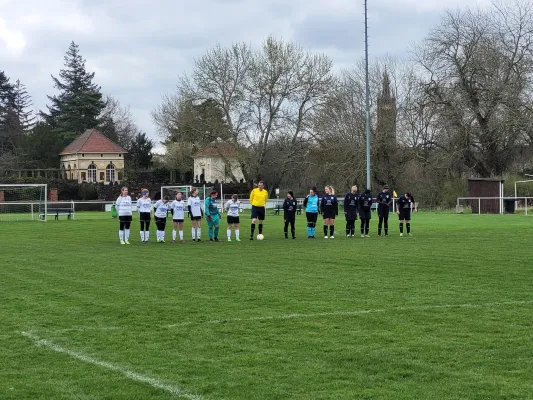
[(332, 191)]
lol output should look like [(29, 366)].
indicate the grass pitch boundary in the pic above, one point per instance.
[(128, 373), (295, 316)]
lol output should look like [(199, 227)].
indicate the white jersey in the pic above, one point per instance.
[(178, 209), (196, 206), (233, 208), (144, 205), (161, 209), (123, 205)]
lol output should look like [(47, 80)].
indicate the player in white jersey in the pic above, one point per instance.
[(124, 209), (177, 208), (144, 207), (232, 207), (194, 204), (161, 208)]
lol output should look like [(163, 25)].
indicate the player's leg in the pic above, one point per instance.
[(180, 228), (367, 225), (362, 226), (210, 228), (216, 223), (174, 230), (193, 229), (127, 229), (386, 222), (229, 220), (198, 229), (380, 222), (122, 224), (325, 227), (254, 220), (163, 227), (147, 228), (237, 232), (408, 223), (286, 229), (401, 223), (261, 218), (141, 220), (332, 228), (293, 229), (348, 226)]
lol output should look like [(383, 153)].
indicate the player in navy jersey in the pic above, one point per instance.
[(365, 212), (384, 201), (329, 208), (351, 204), (289, 214), (405, 204)]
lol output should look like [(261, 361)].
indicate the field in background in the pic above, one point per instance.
[(446, 314)]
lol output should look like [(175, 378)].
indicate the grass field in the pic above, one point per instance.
[(446, 314)]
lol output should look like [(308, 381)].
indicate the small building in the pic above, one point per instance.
[(486, 187), (215, 161), (92, 157)]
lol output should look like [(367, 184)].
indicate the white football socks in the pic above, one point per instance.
[(236, 233), (173, 235), (229, 233), (127, 234), (142, 236), (193, 233), (121, 235), (198, 233), (181, 235)]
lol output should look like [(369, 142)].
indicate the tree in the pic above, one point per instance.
[(79, 104), (140, 152), (42, 146), (478, 67), (8, 123), (117, 122), (22, 103), (267, 98)]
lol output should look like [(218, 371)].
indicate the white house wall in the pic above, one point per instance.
[(215, 169)]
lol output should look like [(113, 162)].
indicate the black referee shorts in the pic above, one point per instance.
[(258, 213)]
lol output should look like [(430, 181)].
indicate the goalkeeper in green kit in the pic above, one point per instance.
[(213, 216)]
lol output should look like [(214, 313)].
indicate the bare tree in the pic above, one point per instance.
[(478, 66), (118, 123)]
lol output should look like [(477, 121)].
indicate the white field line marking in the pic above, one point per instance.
[(304, 316), (350, 313), (154, 382)]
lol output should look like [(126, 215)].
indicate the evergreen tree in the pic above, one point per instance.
[(8, 119), (79, 103), (140, 152), (22, 104)]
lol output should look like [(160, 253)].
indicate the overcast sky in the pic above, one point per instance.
[(137, 47)]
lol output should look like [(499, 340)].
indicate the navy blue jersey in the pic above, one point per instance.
[(405, 202), (351, 202), (329, 204), (289, 207), (384, 199), (365, 201)]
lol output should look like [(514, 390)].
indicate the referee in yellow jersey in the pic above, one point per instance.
[(258, 200)]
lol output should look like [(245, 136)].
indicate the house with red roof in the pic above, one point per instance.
[(218, 161), (92, 157)]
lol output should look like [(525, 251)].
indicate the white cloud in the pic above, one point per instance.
[(138, 48)]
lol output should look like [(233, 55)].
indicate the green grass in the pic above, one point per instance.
[(446, 314)]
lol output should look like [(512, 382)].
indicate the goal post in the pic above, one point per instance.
[(23, 202)]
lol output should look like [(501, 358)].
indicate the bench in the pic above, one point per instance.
[(56, 212)]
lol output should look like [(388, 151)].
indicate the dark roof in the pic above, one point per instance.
[(92, 141), (487, 179), (218, 149)]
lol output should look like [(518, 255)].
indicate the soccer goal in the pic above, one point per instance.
[(23, 202), (172, 191)]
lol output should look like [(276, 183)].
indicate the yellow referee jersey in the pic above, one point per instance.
[(258, 197)]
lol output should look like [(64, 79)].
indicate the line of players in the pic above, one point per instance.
[(354, 204)]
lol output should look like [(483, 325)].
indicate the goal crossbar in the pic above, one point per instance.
[(19, 202)]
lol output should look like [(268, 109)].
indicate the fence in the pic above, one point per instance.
[(521, 203)]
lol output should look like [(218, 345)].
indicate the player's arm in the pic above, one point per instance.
[(252, 194), (305, 201), (336, 203), (346, 202)]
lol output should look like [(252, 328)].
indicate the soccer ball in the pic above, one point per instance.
[(260, 237)]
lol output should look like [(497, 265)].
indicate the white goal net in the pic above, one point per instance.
[(185, 190), (23, 202)]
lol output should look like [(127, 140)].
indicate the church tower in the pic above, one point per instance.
[(386, 117), (385, 145)]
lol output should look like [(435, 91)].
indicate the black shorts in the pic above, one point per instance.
[(311, 217), (258, 213), (232, 220), (365, 214), (177, 220), (289, 218), (351, 215), (199, 218), (405, 214), (383, 212), (329, 215), (124, 218), (144, 216)]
